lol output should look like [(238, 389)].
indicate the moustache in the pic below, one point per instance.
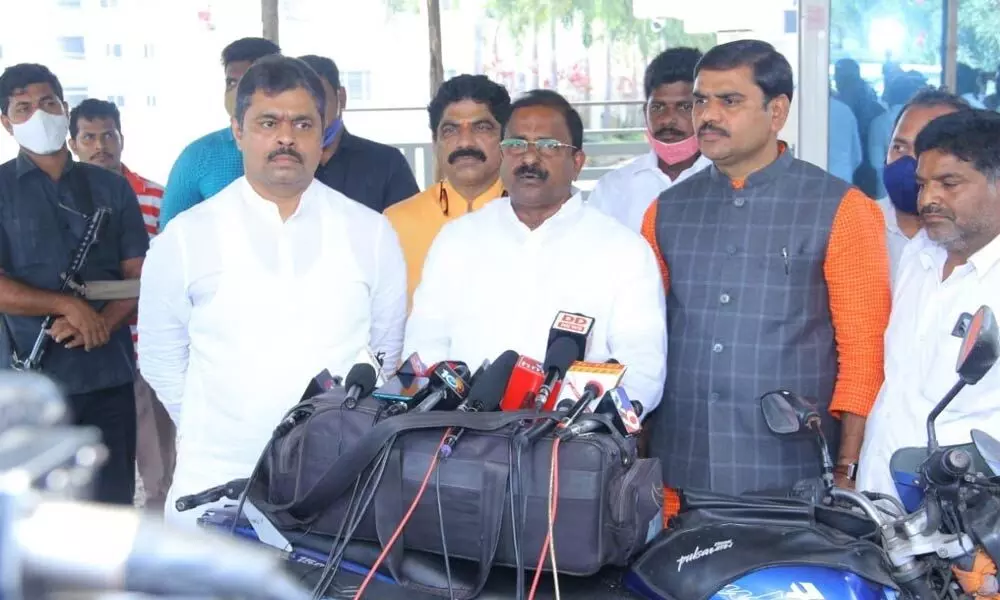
[(936, 210), (525, 170), (475, 153), (284, 151), (707, 128), (101, 155), (669, 131)]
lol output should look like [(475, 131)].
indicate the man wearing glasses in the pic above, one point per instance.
[(495, 278)]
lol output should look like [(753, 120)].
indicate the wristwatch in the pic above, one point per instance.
[(849, 470)]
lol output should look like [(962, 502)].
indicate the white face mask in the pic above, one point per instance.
[(43, 133)]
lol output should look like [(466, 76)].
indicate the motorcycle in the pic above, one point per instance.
[(827, 543)]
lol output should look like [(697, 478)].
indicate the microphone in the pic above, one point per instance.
[(140, 555), (591, 392), (321, 383), (360, 382), (525, 381), (616, 405), (366, 356), (401, 391), (485, 395), (448, 384), (560, 355), (572, 326)]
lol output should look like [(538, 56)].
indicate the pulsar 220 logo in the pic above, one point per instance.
[(699, 553), (452, 380)]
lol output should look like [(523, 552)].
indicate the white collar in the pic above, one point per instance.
[(267, 209), (889, 212), (933, 256), (569, 210), (650, 162)]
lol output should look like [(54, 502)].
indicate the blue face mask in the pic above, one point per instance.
[(331, 132), (900, 179)]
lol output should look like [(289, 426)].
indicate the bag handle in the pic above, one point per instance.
[(389, 505), (342, 473)]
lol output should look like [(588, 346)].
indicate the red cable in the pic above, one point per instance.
[(554, 476), (402, 523)]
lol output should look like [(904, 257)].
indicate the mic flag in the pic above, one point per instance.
[(575, 327)]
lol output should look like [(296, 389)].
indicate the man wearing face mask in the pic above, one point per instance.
[(46, 201), (496, 278), (777, 277), (368, 172), (212, 162), (949, 269), (899, 176), (627, 192), (467, 116)]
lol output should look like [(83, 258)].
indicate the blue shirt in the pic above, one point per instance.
[(41, 223), (203, 169), (845, 153)]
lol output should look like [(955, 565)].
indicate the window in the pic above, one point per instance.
[(72, 47), (68, 3), (449, 5), (150, 100), (109, 3), (149, 50), (75, 96), (118, 101), (359, 85), (450, 74), (114, 50)]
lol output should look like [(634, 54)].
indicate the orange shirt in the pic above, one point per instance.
[(856, 270), (418, 219)]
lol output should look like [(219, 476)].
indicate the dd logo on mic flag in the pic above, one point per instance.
[(573, 323)]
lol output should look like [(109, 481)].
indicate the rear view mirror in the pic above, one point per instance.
[(989, 449), (980, 347), (787, 413)]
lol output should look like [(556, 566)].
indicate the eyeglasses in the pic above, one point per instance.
[(545, 146)]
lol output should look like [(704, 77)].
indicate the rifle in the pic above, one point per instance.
[(70, 278)]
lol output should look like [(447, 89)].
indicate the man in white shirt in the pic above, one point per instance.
[(899, 175), (248, 295), (627, 192), (495, 279), (952, 267)]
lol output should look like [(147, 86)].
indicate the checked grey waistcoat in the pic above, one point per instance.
[(747, 313)]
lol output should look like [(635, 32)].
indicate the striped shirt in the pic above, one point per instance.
[(150, 197)]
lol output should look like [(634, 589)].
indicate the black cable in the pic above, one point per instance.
[(317, 592), (354, 517), (514, 478), (444, 542)]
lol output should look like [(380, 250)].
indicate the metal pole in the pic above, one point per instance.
[(949, 45), (269, 19)]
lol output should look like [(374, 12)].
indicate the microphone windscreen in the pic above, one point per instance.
[(560, 355), (362, 375), (488, 390)]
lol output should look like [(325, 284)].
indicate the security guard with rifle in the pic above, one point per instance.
[(72, 242)]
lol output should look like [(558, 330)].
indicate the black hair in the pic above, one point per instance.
[(18, 77), (771, 71), (325, 67), (274, 75), (969, 135), (478, 88), (930, 97), (248, 49), (92, 109), (671, 66), (554, 100)]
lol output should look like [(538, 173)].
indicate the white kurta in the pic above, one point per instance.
[(627, 192), (490, 284), (920, 358), (239, 310)]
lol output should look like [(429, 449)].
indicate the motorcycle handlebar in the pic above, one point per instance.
[(862, 502), (231, 490)]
